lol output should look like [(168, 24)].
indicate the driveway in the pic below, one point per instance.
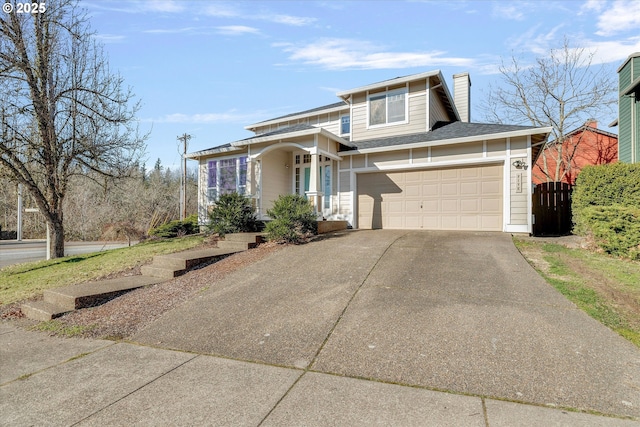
[(449, 311)]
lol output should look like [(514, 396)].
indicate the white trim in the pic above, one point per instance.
[(279, 137), (437, 165), (516, 228), (387, 93), (506, 191), (463, 140), (387, 83)]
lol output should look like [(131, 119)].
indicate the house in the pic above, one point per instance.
[(401, 153), (629, 110), (586, 145)]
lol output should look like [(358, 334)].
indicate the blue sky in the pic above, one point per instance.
[(209, 68)]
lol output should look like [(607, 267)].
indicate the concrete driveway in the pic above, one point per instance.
[(461, 312), (363, 328)]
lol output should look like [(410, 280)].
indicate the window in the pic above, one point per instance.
[(226, 176), (345, 125), (388, 107), (306, 158)]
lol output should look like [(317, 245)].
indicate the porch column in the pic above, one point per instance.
[(315, 194), (254, 172)]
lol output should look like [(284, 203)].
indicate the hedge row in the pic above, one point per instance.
[(606, 207)]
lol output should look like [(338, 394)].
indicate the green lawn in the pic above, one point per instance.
[(606, 288), (25, 281)]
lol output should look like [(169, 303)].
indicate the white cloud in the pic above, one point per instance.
[(612, 51), (171, 30), (537, 43), (237, 30), (592, 6), (227, 11), (508, 11), (298, 21), (109, 38), (231, 116), (163, 6), (621, 16), (340, 54)]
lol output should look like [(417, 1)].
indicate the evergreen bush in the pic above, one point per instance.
[(233, 213), (177, 228), (606, 207), (293, 219)]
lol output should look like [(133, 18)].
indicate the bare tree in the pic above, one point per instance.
[(63, 112), (562, 90)]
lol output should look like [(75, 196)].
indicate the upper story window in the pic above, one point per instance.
[(388, 107), (345, 125)]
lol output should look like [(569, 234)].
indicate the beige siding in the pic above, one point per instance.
[(358, 161), (456, 152), (391, 158), (421, 155), (344, 194), (496, 147), (276, 178), (519, 193), (329, 121), (519, 146), (416, 116), (437, 111)]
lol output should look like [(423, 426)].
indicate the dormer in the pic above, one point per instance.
[(403, 105)]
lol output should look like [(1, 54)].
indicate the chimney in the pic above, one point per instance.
[(462, 95), (591, 123)]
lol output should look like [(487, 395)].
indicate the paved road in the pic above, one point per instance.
[(365, 328), (14, 252)]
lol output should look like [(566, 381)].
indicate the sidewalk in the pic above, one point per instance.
[(55, 381)]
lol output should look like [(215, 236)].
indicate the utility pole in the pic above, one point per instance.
[(183, 188)]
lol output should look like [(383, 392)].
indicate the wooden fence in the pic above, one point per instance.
[(552, 209)]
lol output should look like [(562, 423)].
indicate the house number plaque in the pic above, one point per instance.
[(519, 183)]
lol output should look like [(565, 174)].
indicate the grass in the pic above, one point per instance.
[(606, 288), (27, 280), (59, 329)]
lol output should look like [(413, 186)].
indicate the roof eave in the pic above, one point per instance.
[(204, 153), (392, 82), (251, 127), (511, 134), (297, 134)]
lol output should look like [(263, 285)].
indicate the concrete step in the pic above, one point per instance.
[(190, 259), (245, 237), (235, 246), (93, 293), (42, 310), (174, 265), (162, 272)]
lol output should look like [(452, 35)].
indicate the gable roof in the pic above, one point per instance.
[(440, 88), (448, 133)]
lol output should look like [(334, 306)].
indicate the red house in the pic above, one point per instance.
[(587, 145)]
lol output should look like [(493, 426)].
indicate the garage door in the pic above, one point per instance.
[(468, 198)]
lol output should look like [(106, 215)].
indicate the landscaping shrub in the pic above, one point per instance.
[(615, 229), (606, 207), (293, 219), (177, 228), (233, 213)]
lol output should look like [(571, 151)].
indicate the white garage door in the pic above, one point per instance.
[(467, 198)]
